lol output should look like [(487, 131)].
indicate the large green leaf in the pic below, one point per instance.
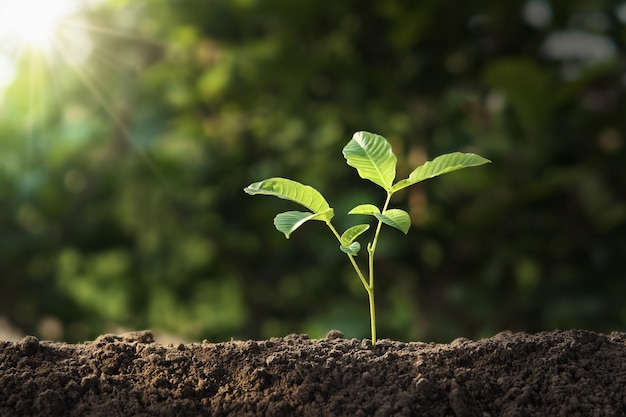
[(352, 233), (372, 157), (287, 189), (441, 165), (397, 218), (289, 221)]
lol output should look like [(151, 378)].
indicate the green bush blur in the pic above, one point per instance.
[(122, 175)]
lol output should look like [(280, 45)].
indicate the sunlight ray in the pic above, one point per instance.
[(98, 94), (97, 29)]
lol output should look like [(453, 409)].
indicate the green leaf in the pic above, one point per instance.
[(352, 249), (396, 218), (289, 221), (441, 165), (287, 189), (372, 157), (365, 209), (352, 233)]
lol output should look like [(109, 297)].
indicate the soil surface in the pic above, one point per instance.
[(570, 373)]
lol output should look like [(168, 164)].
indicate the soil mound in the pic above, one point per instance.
[(560, 373)]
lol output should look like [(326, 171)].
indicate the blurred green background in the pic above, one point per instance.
[(126, 145)]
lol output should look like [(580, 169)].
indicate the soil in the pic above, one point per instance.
[(560, 373)]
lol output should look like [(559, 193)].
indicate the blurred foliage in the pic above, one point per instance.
[(121, 176)]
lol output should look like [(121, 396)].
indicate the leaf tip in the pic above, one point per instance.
[(252, 189)]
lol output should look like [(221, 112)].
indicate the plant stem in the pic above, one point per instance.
[(369, 288), (370, 296), (371, 250)]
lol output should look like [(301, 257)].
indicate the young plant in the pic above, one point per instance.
[(374, 160)]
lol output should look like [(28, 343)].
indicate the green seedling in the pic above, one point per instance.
[(375, 161)]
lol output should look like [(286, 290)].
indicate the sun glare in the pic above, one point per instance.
[(44, 30), (40, 39), (33, 22)]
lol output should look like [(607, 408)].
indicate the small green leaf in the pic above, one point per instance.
[(372, 157), (287, 189), (352, 233), (365, 209), (352, 249), (441, 165), (397, 218), (289, 221)]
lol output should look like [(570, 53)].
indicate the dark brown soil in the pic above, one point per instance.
[(572, 373)]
